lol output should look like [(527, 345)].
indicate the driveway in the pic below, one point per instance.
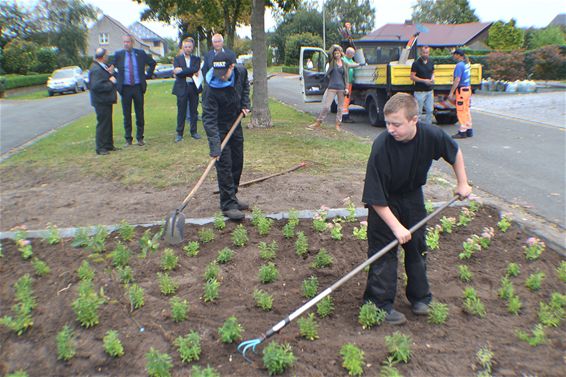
[(518, 152)]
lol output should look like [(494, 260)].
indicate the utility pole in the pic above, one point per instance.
[(323, 27)]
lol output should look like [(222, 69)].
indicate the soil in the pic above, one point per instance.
[(437, 350)]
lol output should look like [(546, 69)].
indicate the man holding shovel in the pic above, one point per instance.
[(396, 171), (227, 96)]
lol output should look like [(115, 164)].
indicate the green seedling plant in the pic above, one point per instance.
[(264, 226), (432, 237), (388, 369), (551, 314), (136, 296), (322, 259), (534, 281), (485, 359), (121, 255), (231, 330), (126, 231), (352, 359), (464, 273), (504, 224), (126, 274), (263, 300), (40, 267), (25, 303), (97, 243), (319, 220), (485, 238), (506, 291), (514, 305), (447, 224), (370, 315), (224, 256), (66, 348), (277, 358), (472, 303), (18, 373), (206, 235), (148, 243), (465, 217), (240, 236), (86, 305), (85, 271), (308, 328), (192, 248), (293, 218), (169, 260), (211, 288), (538, 336), (112, 344), (268, 252), (257, 215), (474, 206), (211, 271), (513, 269), (179, 309), (167, 285), (310, 287), (429, 207), (268, 273), (438, 313), (534, 248), (301, 244), (21, 234), (288, 231), (158, 364), (81, 238), (25, 249), (219, 222), (197, 371), (399, 346), (53, 236), (336, 229), (361, 233), (561, 271), (351, 209), (471, 246), (188, 347), (325, 307)]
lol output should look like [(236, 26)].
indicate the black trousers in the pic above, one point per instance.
[(104, 131), (190, 97), (229, 167), (133, 93), (382, 277)]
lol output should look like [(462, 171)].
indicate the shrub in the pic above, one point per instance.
[(534, 248), (41, 268), (438, 313), (293, 45), (263, 299), (126, 231), (399, 346), (464, 273), (112, 344), (81, 238), (485, 358), (549, 63), (149, 243), (322, 259), (86, 305), (158, 364), (179, 309), (211, 288), (504, 224), (211, 271), (352, 359), (447, 224), (361, 233), (97, 243), (335, 230), (514, 305), (508, 66), (325, 307), (240, 236), (308, 328), (513, 269), (301, 244), (264, 226), (53, 237), (268, 251), (432, 237), (538, 336), (268, 273), (310, 287), (189, 347), (192, 248), (126, 274), (534, 281), (224, 256), (472, 303), (277, 358), (85, 272), (561, 271), (66, 347), (288, 230), (209, 371), (20, 56), (231, 330), (121, 255), (167, 285), (506, 291), (219, 222), (551, 314), (206, 235), (136, 296), (370, 315)]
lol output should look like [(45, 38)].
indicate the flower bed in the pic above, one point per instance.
[(168, 317)]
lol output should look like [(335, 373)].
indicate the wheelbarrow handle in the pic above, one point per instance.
[(211, 163)]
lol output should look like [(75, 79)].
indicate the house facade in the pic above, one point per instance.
[(147, 36)]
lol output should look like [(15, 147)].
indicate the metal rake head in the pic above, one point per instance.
[(245, 346)]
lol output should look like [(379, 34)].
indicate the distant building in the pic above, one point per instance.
[(472, 35), (150, 38), (108, 32), (559, 20)]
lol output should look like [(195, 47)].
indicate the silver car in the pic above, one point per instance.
[(66, 79)]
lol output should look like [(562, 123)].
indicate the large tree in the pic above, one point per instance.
[(16, 22), (504, 36), (359, 13), (444, 12)]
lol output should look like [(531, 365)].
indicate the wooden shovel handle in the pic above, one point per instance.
[(211, 162)]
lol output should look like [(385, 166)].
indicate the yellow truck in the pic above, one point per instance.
[(384, 75)]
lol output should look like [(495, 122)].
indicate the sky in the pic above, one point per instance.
[(525, 12)]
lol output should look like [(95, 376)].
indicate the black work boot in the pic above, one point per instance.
[(395, 318), (234, 214)]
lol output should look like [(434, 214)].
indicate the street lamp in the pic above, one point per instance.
[(323, 27)]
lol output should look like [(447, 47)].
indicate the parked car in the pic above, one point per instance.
[(66, 79), (163, 71), (85, 78)]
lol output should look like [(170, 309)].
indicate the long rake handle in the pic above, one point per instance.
[(275, 329), (211, 163)]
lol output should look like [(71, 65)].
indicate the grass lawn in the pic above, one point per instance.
[(38, 94), (163, 163)]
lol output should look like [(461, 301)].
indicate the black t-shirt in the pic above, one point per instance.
[(423, 71), (397, 168)]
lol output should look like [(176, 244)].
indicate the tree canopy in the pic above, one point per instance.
[(359, 13), (444, 12), (504, 36)]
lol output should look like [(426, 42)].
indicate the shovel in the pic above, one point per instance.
[(175, 223)]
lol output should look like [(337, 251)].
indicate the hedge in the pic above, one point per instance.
[(20, 81), (290, 69)]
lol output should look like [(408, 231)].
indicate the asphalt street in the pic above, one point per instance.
[(518, 160)]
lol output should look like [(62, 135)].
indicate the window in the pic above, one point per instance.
[(103, 39), (156, 43)]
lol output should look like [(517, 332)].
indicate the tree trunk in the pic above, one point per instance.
[(261, 116)]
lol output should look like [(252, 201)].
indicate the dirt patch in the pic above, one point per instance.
[(437, 350)]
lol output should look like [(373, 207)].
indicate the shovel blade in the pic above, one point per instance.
[(174, 228)]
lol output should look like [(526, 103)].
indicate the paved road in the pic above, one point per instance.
[(24, 120), (518, 160)]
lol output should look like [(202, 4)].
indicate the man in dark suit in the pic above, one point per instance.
[(102, 98), (186, 68), (132, 84), (218, 46)]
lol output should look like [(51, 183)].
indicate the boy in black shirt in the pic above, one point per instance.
[(396, 171)]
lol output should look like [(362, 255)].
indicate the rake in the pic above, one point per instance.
[(253, 343)]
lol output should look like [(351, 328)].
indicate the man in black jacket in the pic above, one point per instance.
[(217, 47), (227, 95), (186, 67), (102, 97), (132, 84)]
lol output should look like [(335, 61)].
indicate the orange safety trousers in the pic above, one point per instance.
[(345, 109), (463, 97)]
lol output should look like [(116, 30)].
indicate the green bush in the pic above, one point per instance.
[(46, 60), (549, 64), (290, 69), (293, 46), (20, 81), (20, 56)]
